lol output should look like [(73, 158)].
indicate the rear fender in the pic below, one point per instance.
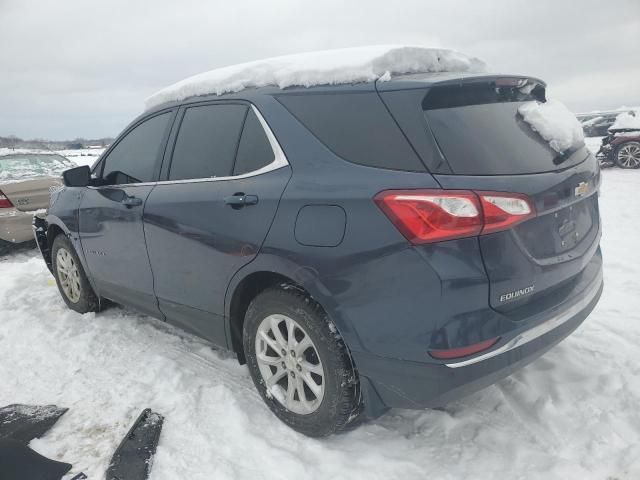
[(304, 276)]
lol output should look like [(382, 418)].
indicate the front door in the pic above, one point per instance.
[(110, 216), (212, 214)]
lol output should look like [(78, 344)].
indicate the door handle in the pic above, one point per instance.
[(131, 201), (239, 200)]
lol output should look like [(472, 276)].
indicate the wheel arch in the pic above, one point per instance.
[(56, 226), (267, 272)]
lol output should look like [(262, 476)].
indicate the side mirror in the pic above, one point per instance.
[(77, 177)]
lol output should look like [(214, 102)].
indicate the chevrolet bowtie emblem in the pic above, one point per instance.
[(582, 189)]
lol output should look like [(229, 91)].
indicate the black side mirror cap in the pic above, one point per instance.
[(77, 177)]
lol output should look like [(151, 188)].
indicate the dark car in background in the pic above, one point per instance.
[(621, 147), (597, 124), (360, 247)]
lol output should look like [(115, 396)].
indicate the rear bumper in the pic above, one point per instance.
[(15, 225), (407, 384)]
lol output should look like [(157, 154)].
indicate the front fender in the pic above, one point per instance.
[(63, 216)]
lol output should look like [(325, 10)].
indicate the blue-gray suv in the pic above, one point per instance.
[(360, 247)]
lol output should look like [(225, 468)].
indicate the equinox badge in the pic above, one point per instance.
[(516, 293)]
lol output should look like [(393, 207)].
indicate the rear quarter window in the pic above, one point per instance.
[(355, 126), (254, 150)]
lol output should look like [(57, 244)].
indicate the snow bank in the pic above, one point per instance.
[(348, 65), (627, 120), (554, 122)]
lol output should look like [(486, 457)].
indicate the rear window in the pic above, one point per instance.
[(21, 166), (356, 127), (480, 132)]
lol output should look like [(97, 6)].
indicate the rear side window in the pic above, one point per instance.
[(207, 141), (254, 151), (135, 157), (356, 127)]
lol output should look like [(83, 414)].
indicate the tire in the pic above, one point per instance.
[(81, 297), (320, 414), (628, 155)]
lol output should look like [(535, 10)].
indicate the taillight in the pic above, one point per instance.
[(4, 201), (504, 210), (427, 216), (463, 351)]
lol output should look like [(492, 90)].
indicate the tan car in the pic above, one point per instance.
[(26, 180)]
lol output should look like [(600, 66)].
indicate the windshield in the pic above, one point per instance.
[(24, 166)]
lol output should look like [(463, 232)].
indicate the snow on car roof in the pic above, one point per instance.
[(327, 67), (627, 120)]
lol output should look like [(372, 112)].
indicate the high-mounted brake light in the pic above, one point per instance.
[(427, 216), (4, 201)]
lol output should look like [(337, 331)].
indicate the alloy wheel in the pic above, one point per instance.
[(68, 275), (629, 156), (289, 364)]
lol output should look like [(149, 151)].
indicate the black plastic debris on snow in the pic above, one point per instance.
[(23, 423), (133, 458), (19, 462)]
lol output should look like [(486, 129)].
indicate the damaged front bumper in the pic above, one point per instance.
[(40, 227)]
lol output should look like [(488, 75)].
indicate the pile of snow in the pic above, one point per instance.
[(630, 119), (328, 67), (593, 143), (554, 122)]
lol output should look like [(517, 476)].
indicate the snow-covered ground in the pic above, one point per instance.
[(572, 414), (83, 156), (593, 143)]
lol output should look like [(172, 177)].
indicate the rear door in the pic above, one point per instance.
[(487, 146), (214, 209), (110, 215)]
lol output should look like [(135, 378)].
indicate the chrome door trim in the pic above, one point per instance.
[(279, 161)]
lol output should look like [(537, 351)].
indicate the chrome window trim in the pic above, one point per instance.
[(279, 161), (537, 331)]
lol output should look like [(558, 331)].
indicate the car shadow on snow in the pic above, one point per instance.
[(8, 248)]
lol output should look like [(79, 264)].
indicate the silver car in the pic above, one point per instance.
[(26, 180)]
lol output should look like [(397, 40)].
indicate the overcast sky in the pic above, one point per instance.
[(82, 68)]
